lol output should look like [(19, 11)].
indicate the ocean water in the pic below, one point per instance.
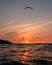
[(26, 53)]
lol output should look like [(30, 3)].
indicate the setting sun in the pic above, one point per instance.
[(26, 41)]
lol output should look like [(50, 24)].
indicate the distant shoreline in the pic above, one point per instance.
[(34, 43)]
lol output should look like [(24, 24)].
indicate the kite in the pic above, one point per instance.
[(29, 8)]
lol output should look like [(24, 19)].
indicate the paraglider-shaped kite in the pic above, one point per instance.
[(28, 8)]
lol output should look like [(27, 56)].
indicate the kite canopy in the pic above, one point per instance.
[(29, 8)]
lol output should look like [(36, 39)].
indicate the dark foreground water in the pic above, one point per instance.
[(33, 54)]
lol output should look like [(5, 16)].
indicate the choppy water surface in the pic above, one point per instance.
[(25, 53)]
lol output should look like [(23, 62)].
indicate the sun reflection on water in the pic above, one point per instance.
[(26, 53)]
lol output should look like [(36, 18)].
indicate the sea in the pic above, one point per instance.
[(27, 54)]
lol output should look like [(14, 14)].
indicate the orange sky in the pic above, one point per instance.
[(33, 32)]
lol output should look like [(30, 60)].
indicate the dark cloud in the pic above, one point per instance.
[(11, 34)]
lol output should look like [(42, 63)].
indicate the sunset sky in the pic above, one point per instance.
[(21, 25)]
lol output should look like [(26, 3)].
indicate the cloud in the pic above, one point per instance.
[(28, 27), (10, 35), (11, 22), (34, 27)]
